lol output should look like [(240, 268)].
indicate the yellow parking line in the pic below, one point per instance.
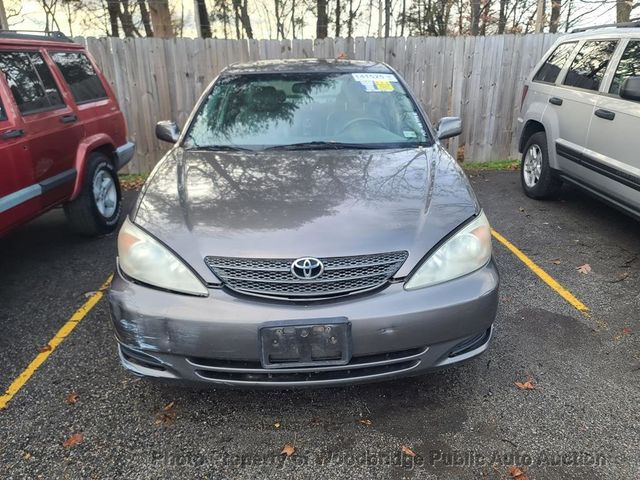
[(544, 276), (66, 329)]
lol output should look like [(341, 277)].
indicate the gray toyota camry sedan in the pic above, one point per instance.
[(307, 228)]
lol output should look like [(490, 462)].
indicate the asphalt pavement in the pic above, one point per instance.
[(581, 419)]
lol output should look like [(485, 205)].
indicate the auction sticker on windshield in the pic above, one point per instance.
[(376, 82)]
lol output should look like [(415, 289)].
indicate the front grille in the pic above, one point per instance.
[(273, 277)]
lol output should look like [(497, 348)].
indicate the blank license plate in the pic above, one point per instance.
[(304, 344)]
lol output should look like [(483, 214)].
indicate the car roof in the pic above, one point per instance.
[(11, 38), (306, 65), (609, 31)]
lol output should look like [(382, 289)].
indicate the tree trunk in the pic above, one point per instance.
[(204, 25), (240, 8), (475, 17), (144, 15), (113, 9), (540, 16), (126, 20), (387, 18), (161, 18), (502, 17), (554, 21), (293, 19), (338, 11), (4, 25), (403, 17), (623, 10), (323, 19)]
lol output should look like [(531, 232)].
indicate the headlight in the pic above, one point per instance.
[(145, 259), (466, 251)]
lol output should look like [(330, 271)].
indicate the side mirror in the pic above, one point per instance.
[(449, 127), (630, 89), (167, 131)]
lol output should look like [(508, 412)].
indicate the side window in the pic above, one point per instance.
[(590, 65), (3, 114), (30, 81), (551, 68), (83, 81), (629, 66)]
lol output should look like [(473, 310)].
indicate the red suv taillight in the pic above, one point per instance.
[(525, 90)]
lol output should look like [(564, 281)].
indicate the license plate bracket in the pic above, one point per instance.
[(305, 343)]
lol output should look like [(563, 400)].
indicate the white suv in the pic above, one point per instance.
[(580, 117)]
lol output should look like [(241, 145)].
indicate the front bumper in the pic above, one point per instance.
[(394, 332)]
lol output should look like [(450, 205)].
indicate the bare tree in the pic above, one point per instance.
[(475, 17), (241, 11), (554, 21), (144, 16), (322, 22), (387, 17), (161, 18), (4, 23)]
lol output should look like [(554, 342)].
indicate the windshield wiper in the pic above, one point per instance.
[(321, 145), (220, 148)]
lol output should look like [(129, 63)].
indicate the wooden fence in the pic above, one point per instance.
[(477, 78)]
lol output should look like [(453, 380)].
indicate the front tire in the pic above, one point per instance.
[(538, 180), (97, 209)]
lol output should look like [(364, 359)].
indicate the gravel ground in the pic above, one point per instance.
[(581, 421)]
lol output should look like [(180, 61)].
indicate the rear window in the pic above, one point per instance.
[(84, 83), (30, 81), (629, 66), (588, 68), (550, 70)]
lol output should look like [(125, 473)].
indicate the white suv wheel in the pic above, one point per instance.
[(532, 168)]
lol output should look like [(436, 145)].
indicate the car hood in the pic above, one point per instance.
[(289, 204)]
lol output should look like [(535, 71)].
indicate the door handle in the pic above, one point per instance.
[(555, 101), (68, 118), (12, 134), (606, 114)]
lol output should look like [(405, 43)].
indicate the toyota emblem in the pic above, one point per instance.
[(307, 268)]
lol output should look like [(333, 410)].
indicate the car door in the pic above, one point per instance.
[(49, 123), (614, 136), (576, 102), (19, 198)]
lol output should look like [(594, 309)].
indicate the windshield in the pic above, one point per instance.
[(256, 111)]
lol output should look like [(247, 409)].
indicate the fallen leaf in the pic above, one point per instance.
[(517, 473), (556, 261), (26, 456), (89, 294), (407, 451), (585, 269), (626, 331), (73, 440), (45, 348), (528, 385), (366, 422), (72, 398), (288, 450), (276, 425), (167, 415)]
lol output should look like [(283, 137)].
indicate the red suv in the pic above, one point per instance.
[(62, 135)]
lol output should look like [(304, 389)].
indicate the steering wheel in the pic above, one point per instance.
[(350, 123)]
